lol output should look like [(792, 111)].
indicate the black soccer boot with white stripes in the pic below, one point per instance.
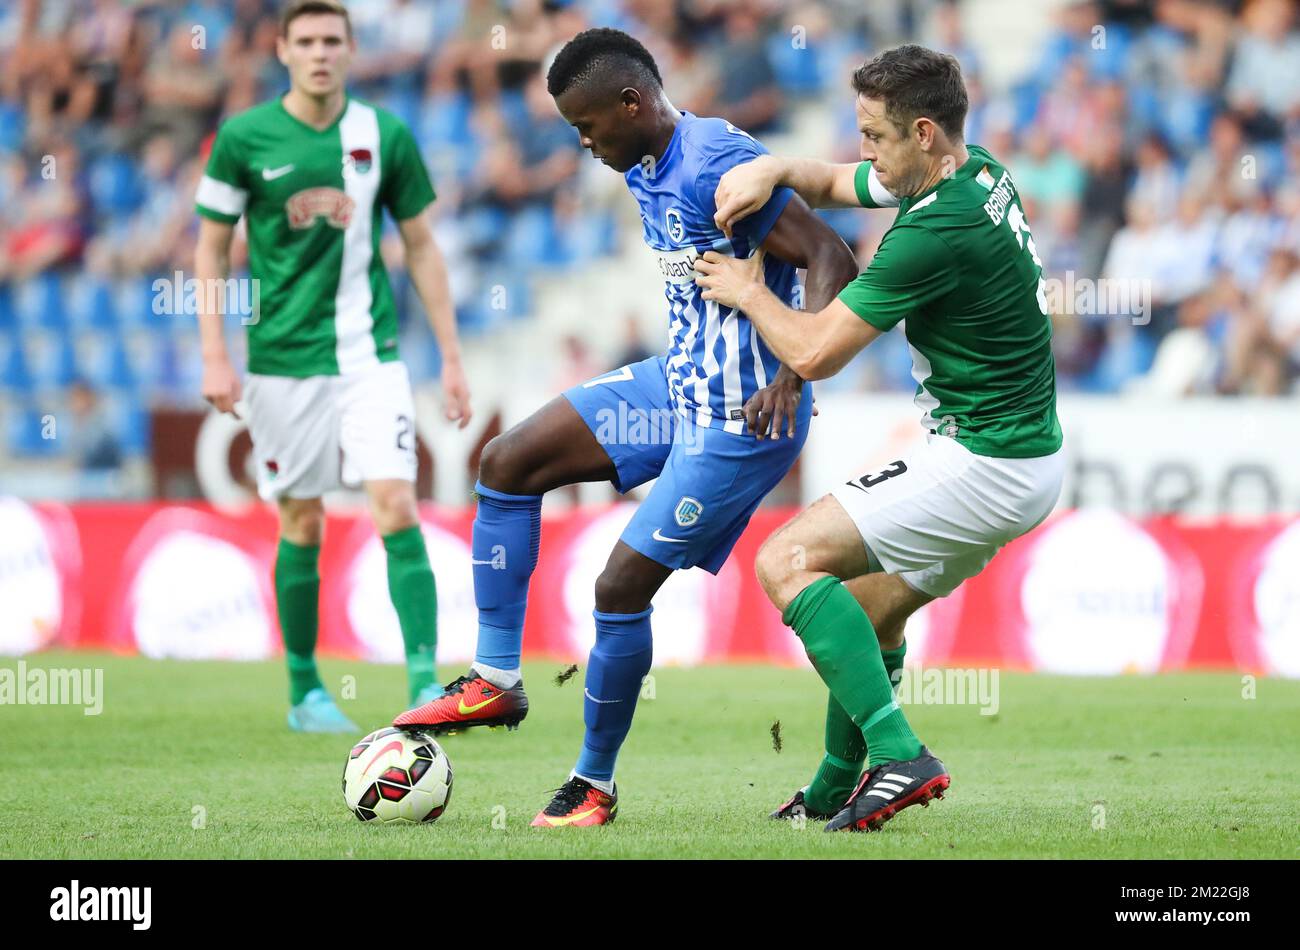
[(796, 807), (887, 789)]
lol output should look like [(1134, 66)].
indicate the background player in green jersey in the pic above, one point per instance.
[(327, 398), (959, 263)]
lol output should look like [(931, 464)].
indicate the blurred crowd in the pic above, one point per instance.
[(1151, 141)]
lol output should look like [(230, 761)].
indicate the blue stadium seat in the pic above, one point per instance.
[(133, 299), (404, 102), (444, 121), (25, 431), (52, 359), (130, 419), (114, 185), (15, 374), (8, 316), (529, 236), (41, 303), (13, 126), (798, 71), (90, 303)]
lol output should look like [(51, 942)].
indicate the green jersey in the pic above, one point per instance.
[(313, 201), (959, 263)]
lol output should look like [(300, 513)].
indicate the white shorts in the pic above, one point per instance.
[(939, 515), (318, 433)]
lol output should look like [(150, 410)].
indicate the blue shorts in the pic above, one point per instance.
[(710, 480)]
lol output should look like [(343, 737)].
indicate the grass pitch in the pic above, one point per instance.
[(195, 760)]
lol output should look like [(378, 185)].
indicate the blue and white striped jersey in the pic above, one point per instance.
[(716, 359)]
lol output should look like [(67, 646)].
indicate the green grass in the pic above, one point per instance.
[(1183, 767)]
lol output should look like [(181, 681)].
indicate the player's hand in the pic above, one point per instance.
[(774, 404), (725, 279), (742, 191), (221, 386), (455, 394)]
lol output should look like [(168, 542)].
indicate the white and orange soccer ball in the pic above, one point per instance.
[(395, 776)]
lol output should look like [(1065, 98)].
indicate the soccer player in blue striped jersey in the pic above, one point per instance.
[(717, 420)]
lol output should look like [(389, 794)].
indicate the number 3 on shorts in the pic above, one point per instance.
[(869, 481)]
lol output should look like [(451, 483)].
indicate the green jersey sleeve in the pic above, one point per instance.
[(912, 270), (871, 193), (407, 189), (223, 190)]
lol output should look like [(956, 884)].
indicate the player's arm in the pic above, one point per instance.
[(814, 344), (221, 385), (746, 188), (800, 238), (914, 269), (428, 270)]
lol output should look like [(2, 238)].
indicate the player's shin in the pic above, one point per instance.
[(842, 645), (615, 669), (846, 750), (841, 766), (414, 593), (297, 596), (507, 535)]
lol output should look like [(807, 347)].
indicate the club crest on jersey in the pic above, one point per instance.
[(329, 203), (358, 160), (676, 227), (688, 511)]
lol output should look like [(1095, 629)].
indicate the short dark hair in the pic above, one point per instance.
[(297, 8), (913, 82), (602, 54)]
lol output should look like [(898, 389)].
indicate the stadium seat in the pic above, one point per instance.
[(13, 126), (798, 70), (444, 121), (114, 186), (134, 302), (25, 430), (8, 316), (90, 303), (41, 304), (51, 358), (130, 419), (15, 374)]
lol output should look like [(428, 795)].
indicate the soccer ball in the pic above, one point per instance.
[(396, 776)]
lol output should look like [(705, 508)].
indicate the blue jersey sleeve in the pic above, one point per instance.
[(734, 148)]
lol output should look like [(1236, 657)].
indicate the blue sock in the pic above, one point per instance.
[(507, 533), (618, 662)]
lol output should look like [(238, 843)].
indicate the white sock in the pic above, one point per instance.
[(501, 679), (606, 787)]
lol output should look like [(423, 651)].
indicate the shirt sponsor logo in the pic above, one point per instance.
[(679, 267), (331, 204), (996, 206)]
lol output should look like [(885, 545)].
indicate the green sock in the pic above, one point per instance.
[(894, 662), (415, 598), (842, 764), (297, 597), (846, 750), (842, 644)]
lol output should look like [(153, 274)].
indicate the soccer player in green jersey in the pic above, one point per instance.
[(960, 266), (327, 398)]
